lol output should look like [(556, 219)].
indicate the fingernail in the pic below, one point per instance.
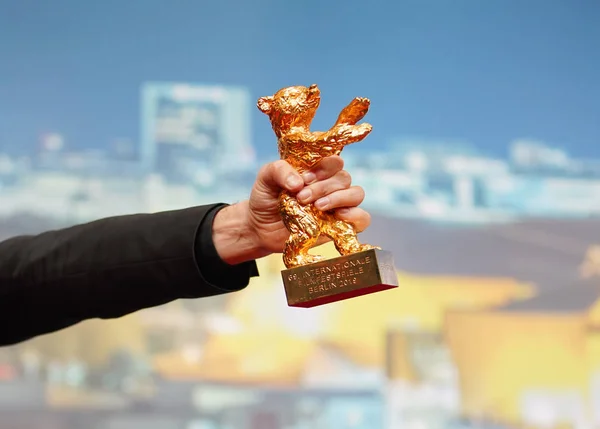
[(293, 181), (309, 177), (343, 211), (304, 194), (322, 203)]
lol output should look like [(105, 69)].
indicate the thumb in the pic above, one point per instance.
[(278, 175)]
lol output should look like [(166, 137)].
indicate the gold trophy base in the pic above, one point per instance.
[(340, 278)]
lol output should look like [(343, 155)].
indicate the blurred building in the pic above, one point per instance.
[(192, 133), (454, 182), (195, 147)]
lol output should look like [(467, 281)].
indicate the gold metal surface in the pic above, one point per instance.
[(291, 111), (340, 278)]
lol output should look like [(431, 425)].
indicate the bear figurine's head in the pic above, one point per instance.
[(290, 107)]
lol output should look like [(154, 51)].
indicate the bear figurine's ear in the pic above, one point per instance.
[(265, 103)]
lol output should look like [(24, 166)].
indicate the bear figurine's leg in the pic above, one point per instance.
[(343, 234), (304, 228)]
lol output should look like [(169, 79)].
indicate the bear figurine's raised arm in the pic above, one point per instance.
[(292, 110)]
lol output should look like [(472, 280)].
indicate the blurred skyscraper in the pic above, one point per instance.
[(189, 131)]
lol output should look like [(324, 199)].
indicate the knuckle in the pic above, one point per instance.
[(279, 166), (344, 177), (264, 170), (367, 216), (364, 220), (264, 173), (279, 170), (360, 193)]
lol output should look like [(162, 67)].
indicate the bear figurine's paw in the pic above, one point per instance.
[(365, 247), (363, 130), (300, 260), (361, 102)]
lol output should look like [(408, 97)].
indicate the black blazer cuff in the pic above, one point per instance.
[(221, 275)]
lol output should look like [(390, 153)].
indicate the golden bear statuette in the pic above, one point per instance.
[(311, 280)]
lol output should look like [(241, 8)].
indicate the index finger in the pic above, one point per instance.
[(325, 169), (279, 175)]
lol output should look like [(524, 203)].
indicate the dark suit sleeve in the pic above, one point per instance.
[(109, 268)]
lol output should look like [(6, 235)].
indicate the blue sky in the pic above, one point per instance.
[(484, 71)]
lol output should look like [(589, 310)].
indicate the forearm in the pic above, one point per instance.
[(106, 269)]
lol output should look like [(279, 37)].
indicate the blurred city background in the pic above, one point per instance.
[(482, 175)]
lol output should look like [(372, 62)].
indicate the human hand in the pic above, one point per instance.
[(260, 230)]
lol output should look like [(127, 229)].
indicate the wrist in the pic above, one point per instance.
[(233, 238)]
